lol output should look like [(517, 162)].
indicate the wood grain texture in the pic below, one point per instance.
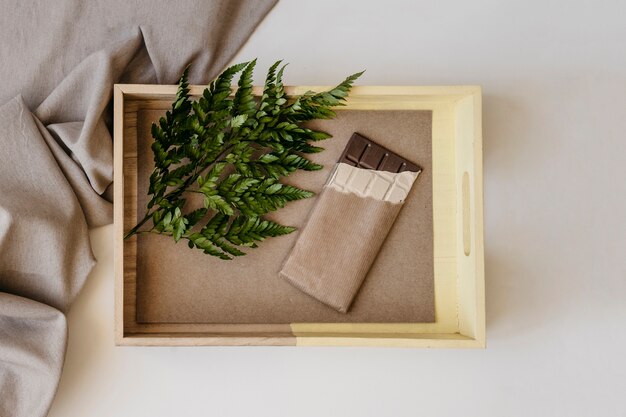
[(459, 278)]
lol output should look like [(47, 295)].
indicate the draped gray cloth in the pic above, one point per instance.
[(58, 63)]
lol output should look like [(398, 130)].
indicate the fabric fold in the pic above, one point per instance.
[(98, 209), (45, 253), (74, 112)]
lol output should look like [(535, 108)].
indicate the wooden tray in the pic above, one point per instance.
[(457, 230)]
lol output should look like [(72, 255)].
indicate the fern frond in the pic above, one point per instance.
[(233, 150)]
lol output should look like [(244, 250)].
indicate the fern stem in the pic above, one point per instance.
[(138, 226)]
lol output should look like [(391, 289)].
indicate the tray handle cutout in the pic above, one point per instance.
[(467, 237)]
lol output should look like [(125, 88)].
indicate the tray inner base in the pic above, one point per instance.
[(177, 285)]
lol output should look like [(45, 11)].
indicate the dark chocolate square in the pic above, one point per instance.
[(365, 153)]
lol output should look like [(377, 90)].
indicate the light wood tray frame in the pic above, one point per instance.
[(457, 217)]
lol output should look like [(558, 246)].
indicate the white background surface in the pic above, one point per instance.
[(554, 79)]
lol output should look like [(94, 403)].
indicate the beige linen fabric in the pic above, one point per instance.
[(58, 63), (32, 348), (43, 233)]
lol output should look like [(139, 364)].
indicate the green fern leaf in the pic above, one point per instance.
[(233, 150)]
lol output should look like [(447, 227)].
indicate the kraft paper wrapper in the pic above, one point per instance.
[(338, 245), (178, 285)]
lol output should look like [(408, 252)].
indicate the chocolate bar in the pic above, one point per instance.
[(361, 152), (349, 223)]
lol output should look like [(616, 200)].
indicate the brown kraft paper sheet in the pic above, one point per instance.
[(178, 285)]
